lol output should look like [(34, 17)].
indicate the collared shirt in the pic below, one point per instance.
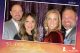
[(16, 24), (67, 41), (68, 31)]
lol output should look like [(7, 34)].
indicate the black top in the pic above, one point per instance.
[(27, 36)]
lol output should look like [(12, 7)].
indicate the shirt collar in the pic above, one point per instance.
[(67, 31)]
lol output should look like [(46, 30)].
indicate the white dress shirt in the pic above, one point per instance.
[(68, 31)]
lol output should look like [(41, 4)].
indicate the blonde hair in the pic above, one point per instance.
[(46, 19)]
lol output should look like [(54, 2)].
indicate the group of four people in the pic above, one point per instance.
[(24, 27)]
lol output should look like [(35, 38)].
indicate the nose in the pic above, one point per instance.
[(66, 18), (52, 21), (30, 23), (17, 12)]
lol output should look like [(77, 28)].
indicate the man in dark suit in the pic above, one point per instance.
[(11, 27), (69, 19)]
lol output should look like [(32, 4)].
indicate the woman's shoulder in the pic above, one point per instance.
[(58, 31), (17, 37)]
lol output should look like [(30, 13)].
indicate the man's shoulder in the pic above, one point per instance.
[(8, 23)]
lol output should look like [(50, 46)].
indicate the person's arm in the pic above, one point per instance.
[(17, 37), (5, 35)]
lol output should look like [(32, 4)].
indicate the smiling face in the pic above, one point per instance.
[(29, 23), (69, 19), (52, 21), (16, 12)]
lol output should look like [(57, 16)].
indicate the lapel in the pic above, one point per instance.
[(71, 33), (13, 27)]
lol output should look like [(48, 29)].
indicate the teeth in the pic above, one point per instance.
[(51, 25), (67, 23)]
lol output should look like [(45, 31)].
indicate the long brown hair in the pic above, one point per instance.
[(22, 30)]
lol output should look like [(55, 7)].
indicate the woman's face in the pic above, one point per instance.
[(52, 21), (29, 23)]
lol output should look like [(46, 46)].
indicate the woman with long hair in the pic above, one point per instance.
[(28, 28), (52, 25)]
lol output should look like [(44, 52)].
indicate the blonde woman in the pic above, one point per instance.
[(52, 25), (28, 27)]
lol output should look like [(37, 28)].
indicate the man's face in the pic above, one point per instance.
[(16, 12), (69, 19)]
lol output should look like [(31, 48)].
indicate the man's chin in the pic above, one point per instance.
[(68, 27), (17, 19)]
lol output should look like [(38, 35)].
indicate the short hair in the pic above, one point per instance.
[(46, 19), (16, 4), (69, 8)]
